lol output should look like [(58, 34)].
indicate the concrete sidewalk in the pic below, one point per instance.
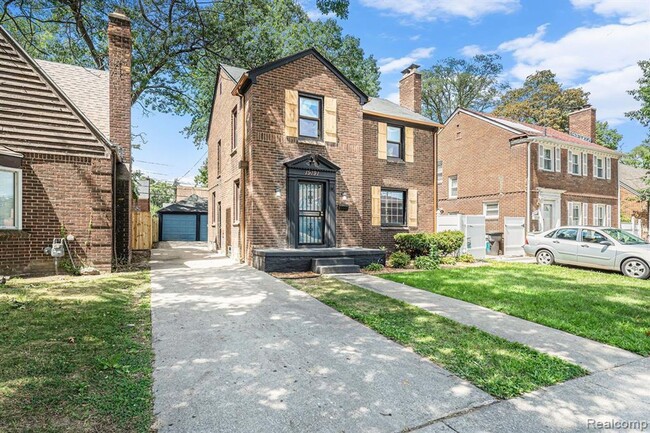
[(589, 354), (621, 394), (237, 350)]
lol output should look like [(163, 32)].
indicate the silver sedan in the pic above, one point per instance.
[(592, 247)]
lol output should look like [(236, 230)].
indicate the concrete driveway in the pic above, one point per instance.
[(239, 351)]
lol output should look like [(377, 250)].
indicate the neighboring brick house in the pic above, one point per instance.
[(501, 168), (633, 206), (185, 191), (65, 156), (300, 159)]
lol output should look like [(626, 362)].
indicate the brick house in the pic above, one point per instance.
[(65, 156), (302, 162), (501, 168), (633, 206)]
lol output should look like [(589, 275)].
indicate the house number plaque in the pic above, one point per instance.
[(311, 173)]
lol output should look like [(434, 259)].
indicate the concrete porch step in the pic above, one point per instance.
[(330, 261), (338, 269)]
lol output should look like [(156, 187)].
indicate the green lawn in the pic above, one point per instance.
[(497, 366), (605, 307), (75, 354)]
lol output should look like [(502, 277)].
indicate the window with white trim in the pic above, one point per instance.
[(599, 167), (10, 198), (547, 159), (453, 186), (575, 164), (491, 210), (602, 215), (574, 214)]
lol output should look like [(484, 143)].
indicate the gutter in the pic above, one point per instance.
[(542, 139), (403, 119)]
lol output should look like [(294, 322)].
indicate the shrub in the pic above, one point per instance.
[(413, 244), (399, 259), (447, 242), (466, 258), (426, 263), (448, 260), (374, 267)]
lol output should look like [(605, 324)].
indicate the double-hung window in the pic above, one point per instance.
[(600, 215), (547, 159), (491, 210), (10, 198), (393, 208), (395, 142), (575, 164), (574, 214), (599, 167), (235, 201), (453, 186), (233, 130), (310, 116), (219, 158)]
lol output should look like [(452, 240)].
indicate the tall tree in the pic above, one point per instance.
[(543, 101), (201, 178), (451, 83), (642, 94), (638, 157), (607, 136)]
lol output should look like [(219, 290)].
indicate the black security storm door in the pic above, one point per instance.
[(311, 213)]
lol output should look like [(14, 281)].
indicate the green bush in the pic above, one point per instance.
[(399, 259), (448, 242), (426, 263), (448, 260), (466, 258), (374, 267), (413, 244)]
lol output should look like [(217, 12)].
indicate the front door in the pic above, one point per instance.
[(311, 213), (548, 216)]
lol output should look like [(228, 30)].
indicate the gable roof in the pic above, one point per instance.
[(249, 77), (632, 178), (384, 108), (534, 132), (233, 72), (192, 204), (36, 115)]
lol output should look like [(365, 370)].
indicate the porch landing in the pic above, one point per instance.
[(299, 260)]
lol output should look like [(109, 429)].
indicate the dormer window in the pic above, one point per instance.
[(310, 113)]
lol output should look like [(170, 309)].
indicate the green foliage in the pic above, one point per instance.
[(642, 94), (448, 242), (497, 366), (399, 260), (426, 263), (161, 192), (413, 244), (68, 267), (374, 267), (448, 260), (607, 136), (201, 178), (451, 83), (542, 101), (638, 157), (466, 258)]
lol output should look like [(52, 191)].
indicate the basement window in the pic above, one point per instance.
[(10, 198)]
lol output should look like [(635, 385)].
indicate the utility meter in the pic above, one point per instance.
[(58, 249)]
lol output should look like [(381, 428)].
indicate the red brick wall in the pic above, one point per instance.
[(583, 122), (61, 191)]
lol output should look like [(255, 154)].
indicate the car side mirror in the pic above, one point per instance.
[(610, 243)]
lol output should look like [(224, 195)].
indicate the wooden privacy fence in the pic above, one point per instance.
[(144, 230)]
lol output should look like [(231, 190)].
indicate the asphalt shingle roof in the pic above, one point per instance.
[(88, 89), (234, 72), (632, 177), (391, 109), (192, 204)]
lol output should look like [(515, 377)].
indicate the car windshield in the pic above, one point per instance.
[(624, 237)]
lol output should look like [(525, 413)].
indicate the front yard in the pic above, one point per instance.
[(605, 307), (499, 367), (75, 354)]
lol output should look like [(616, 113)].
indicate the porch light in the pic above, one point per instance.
[(344, 197)]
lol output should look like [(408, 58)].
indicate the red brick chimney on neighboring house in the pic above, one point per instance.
[(410, 89), (119, 65), (582, 123)]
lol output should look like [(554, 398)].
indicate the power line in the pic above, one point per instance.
[(195, 164)]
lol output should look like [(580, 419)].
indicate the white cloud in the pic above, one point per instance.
[(431, 10), (583, 50), (414, 38), (609, 93), (391, 64), (471, 50), (393, 97), (629, 11)]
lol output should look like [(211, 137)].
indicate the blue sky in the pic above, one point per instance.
[(594, 44)]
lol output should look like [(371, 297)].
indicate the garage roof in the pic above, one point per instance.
[(192, 204)]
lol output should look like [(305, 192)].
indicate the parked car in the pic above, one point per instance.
[(592, 247)]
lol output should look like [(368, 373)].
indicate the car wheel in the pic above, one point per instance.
[(635, 268), (544, 257)]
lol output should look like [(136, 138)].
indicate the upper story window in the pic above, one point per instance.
[(574, 164), (395, 142), (453, 186), (219, 158), (235, 202), (599, 167), (310, 114), (393, 208), (439, 174), (10, 198), (549, 158), (233, 129)]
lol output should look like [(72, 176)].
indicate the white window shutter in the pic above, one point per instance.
[(595, 165), (569, 163), (608, 168), (558, 159), (540, 149), (585, 214), (608, 215), (569, 214), (595, 217), (585, 166)]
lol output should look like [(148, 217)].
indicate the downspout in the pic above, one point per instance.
[(528, 187), (435, 180), (243, 166)]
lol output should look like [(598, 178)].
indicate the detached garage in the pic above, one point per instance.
[(186, 220)]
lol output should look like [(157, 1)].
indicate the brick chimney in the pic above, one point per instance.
[(582, 123), (410, 89), (119, 65)]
